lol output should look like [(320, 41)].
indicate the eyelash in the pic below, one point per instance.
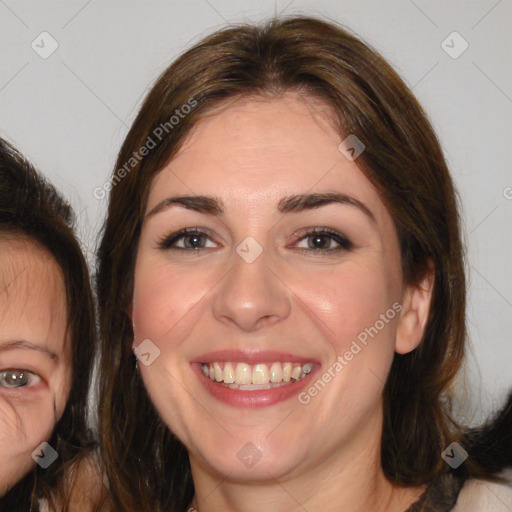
[(32, 376), (167, 243)]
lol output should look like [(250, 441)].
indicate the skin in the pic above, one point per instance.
[(33, 311), (250, 154)]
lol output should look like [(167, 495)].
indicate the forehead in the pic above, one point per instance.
[(32, 294), (258, 150)]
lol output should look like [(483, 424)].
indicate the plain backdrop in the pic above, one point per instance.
[(69, 113)]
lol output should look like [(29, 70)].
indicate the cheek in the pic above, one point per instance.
[(353, 309), (24, 424), (163, 296), (349, 306), (347, 301)]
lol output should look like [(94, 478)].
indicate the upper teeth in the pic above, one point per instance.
[(242, 373)]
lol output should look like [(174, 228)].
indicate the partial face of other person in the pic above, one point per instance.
[(34, 362), (259, 295)]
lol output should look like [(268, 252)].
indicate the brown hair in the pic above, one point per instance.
[(31, 208), (403, 160)]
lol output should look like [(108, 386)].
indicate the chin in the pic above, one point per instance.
[(245, 461)]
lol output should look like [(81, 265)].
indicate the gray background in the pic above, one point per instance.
[(69, 113)]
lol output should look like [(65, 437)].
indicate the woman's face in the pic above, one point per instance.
[(316, 317), (34, 365)]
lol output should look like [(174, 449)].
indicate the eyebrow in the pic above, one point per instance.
[(296, 203), (29, 346)]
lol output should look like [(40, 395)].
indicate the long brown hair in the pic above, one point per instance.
[(31, 208), (403, 160)]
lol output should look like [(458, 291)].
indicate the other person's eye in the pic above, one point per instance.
[(13, 379)]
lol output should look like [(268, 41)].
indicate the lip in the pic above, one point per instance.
[(254, 357), (252, 399)]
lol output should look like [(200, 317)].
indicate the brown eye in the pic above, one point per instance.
[(193, 239), (321, 239)]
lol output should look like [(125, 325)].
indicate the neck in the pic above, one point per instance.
[(351, 476)]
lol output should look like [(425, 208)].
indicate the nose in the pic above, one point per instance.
[(252, 295)]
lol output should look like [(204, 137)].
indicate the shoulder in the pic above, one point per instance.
[(483, 496)]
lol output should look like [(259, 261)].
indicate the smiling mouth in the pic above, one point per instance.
[(246, 377)]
